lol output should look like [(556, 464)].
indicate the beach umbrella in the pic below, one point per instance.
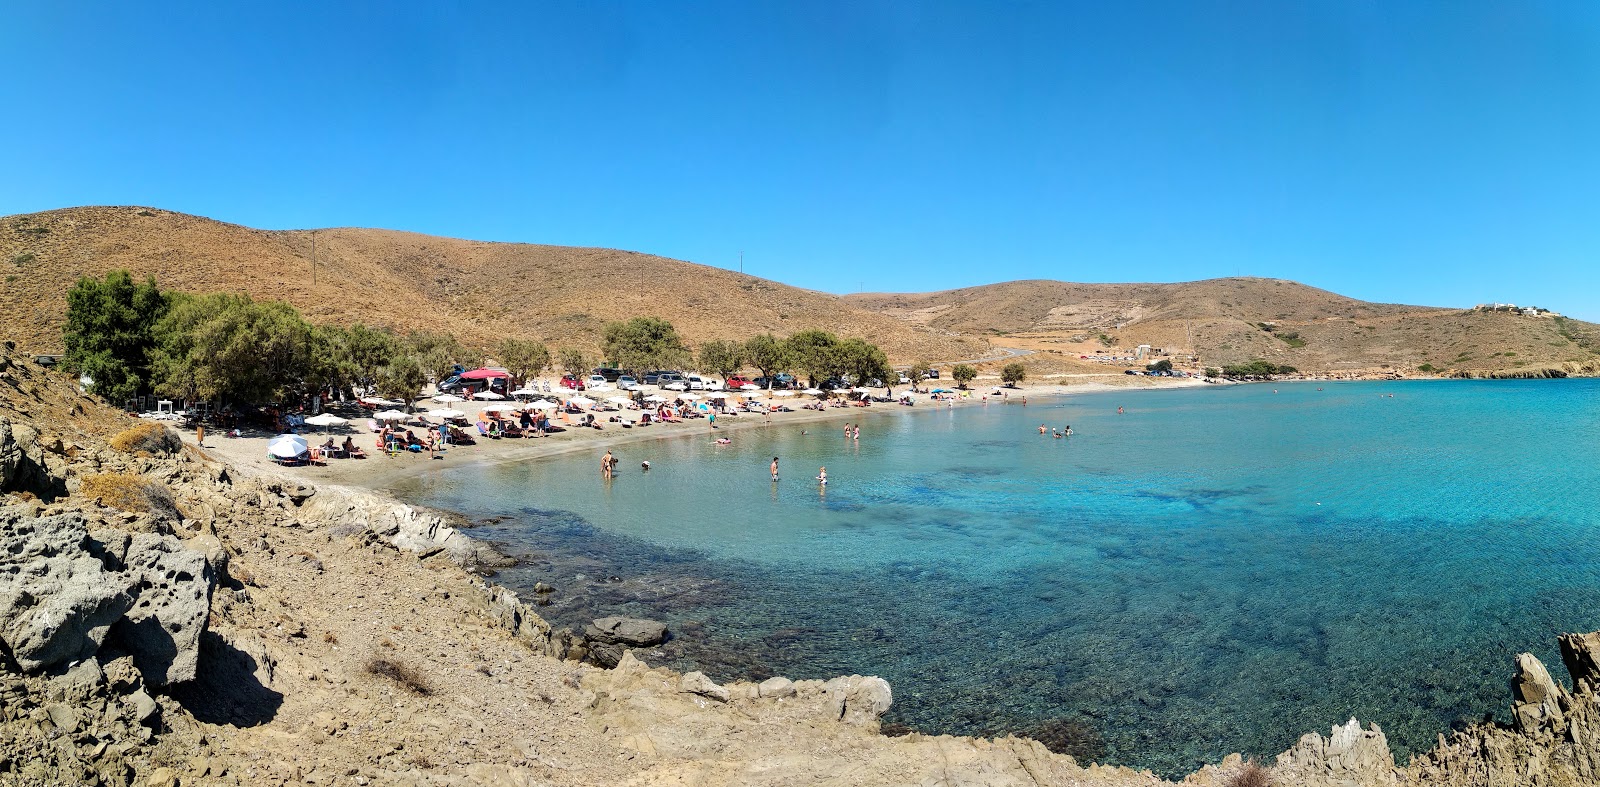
[(391, 415), (448, 399), (499, 408), (525, 392), (544, 405), (859, 389), (581, 400), (749, 387), (486, 395), (783, 393), (811, 391), (378, 401), (688, 397), (622, 400), (326, 419), (716, 396), (655, 398), (287, 446), (447, 413)]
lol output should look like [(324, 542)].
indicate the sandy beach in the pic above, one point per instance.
[(378, 470)]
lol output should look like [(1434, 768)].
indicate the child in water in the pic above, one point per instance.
[(822, 476)]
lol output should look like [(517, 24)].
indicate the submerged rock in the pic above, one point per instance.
[(627, 631)]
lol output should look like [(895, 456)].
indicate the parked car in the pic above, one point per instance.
[(675, 385), (597, 381), (627, 383), (902, 379), (666, 379), (607, 373), (933, 374), (833, 383), (698, 383), (571, 381), (651, 377), (735, 381)]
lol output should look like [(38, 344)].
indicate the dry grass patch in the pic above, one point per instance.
[(412, 680), (1251, 774), (148, 438), (128, 492)]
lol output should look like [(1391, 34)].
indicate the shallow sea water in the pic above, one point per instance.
[(1216, 570)]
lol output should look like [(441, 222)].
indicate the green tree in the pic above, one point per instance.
[(963, 374), (721, 357), (813, 352), (229, 346), (572, 361), (644, 343), (768, 354), (1013, 373), (369, 351), (1160, 366), (402, 379), (1212, 371), (862, 360), (110, 331), (524, 358), (919, 370)]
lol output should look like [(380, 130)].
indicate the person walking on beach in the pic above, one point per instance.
[(606, 465), (200, 434), (774, 468)]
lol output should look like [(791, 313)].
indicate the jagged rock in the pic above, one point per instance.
[(698, 683), (63, 716), (57, 601), (627, 631), (1349, 757), (859, 700), (84, 680), (1539, 702), (1581, 654), (162, 630), (144, 707)]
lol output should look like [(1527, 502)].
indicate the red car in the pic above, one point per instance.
[(571, 381), (734, 383)]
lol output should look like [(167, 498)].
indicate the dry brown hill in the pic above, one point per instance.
[(1221, 322), (479, 291)]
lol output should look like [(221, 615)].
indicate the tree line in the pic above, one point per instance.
[(131, 338)]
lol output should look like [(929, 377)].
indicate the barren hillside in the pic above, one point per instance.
[(479, 291), (1225, 321)]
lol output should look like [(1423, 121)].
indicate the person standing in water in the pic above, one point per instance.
[(774, 468), (605, 465), (1041, 428), (822, 476)]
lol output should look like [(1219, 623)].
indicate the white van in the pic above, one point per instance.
[(698, 383)]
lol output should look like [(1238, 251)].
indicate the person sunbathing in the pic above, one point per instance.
[(352, 451)]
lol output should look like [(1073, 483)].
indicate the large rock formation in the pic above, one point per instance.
[(63, 591)]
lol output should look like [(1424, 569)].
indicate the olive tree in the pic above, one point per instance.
[(963, 374), (1013, 373)]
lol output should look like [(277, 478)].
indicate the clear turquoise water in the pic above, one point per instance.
[(1216, 570)]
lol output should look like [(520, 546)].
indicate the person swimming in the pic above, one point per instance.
[(723, 441), (645, 466), (1042, 428), (822, 476)]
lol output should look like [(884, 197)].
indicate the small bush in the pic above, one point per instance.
[(152, 438), (1251, 774), (412, 680), (23, 258), (128, 492)]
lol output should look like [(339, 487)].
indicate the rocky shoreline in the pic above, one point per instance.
[(168, 619)]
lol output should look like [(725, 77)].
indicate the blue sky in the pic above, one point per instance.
[(1424, 152)]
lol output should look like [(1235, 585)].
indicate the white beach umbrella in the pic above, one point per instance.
[(287, 446), (860, 389), (581, 400), (623, 400), (376, 401), (783, 393), (448, 399), (526, 392), (688, 397), (391, 415), (326, 419), (447, 413), (655, 398), (543, 405), (811, 391), (486, 395), (749, 387), (499, 408)]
